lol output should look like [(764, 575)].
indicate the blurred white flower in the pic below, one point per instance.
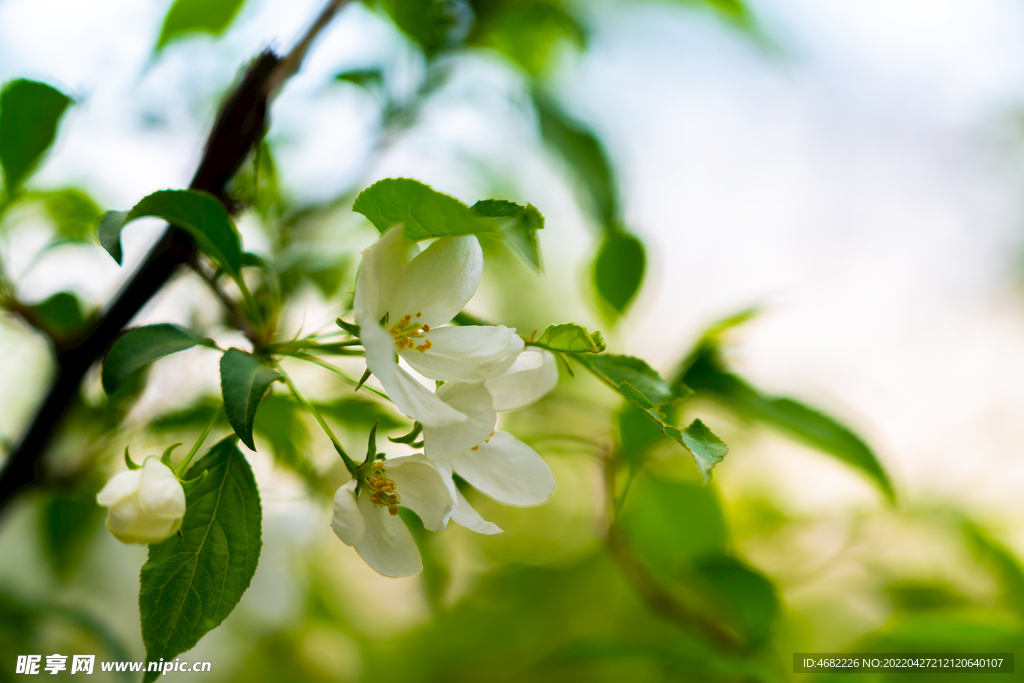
[(411, 293), (495, 463), (144, 505), (369, 522)]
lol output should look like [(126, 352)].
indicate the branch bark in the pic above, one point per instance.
[(240, 125)]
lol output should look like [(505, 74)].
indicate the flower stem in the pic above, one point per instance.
[(195, 448), (338, 371), (350, 464)]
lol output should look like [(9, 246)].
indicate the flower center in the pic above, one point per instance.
[(382, 490), (406, 330)]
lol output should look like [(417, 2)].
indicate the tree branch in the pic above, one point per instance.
[(240, 125)]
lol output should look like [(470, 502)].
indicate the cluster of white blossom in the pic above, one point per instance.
[(403, 299)]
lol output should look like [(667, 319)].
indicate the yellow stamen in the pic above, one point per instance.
[(405, 331)]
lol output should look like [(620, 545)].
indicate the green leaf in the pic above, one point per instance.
[(518, 225), (197, 16), (570, 338), (584, 154), (433, 24), (61, 315), (619, 270), (707, 449), (67, 524), (366, 78), (614, 369), (745, 596), (1001, 563), (243, 381), (425, 212), (141, 346), (200, 213), (193, 580), (671, 523), (705, 372), (29, 114), (528, 32), (74, 213), (637, 433)]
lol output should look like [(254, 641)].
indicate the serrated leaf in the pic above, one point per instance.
[(243, 381), (705, 373), (584, 154), (139, 347), (707, 449), (425, 212), (199, 213), (570, 338), (29, 114), (619, 270), (518, 225), (197, 16), (614, 369), (192, 581), (74, 212)]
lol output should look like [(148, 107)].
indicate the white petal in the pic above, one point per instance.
[(422, 489), (532, 375), (439, 281), (347, 520), (160, 492), (474, 353), (122, 517), (379, 273), (387, 545), (411, 397), (474, 401), (507, 470), (122, 485), (465, 515)]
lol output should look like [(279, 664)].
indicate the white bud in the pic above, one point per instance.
[(144, 505)]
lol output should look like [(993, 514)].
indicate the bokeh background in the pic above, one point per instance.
[(851, 169)]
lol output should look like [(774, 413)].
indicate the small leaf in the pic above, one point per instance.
[(518, 225), (619, 270), (366, 78), (61, 316), (707, 449), (73, 211), (192, 581), (197, 16), (199, 213), (570, 338), (614, 369), (243, 380), (29, 114), (584, 154), (425, 212), (141, 346)]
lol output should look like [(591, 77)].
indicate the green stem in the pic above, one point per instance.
[(335, 348), (195, 449), (625, 491), (338, 371), (350, 464)]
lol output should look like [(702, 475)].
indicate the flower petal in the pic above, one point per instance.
[(533, 374), (379, 273), (474, 353), (122, 485), (465, 515), (347, 520), (439, 281), (507, 470), (411, 397), (387, 545), (474, 401), (160, 492), (422, 489)]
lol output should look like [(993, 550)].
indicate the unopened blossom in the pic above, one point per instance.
[(402, 298), (366, 514), (495, 463), (144, 505)]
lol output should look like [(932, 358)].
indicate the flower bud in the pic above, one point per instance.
[(145, 505)]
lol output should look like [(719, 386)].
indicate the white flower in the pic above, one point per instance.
[(414, 293), (369, 521), (495, 463), (144, 505)]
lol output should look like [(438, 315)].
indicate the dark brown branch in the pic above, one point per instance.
[(240, 126)]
